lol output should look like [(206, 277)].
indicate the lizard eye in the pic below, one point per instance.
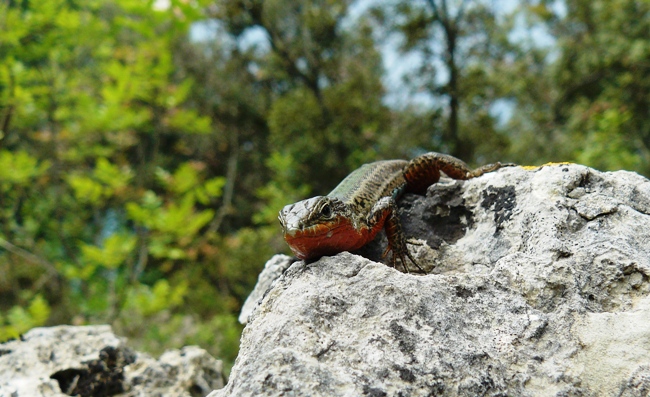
[(326, 211)]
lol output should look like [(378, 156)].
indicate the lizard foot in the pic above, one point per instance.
[(402, 255)]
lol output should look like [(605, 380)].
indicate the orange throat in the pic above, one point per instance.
[(328, 239)]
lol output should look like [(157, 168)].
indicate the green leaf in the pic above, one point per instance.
[(186, 177), (85, 189), (189, 121), (19, 167), (20, 320), (213, 187), (39, 310), (116, 249), (162, 296), (110, 175)]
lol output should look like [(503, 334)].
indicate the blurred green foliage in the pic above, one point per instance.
[(146, 147)]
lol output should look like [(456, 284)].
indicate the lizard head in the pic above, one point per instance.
[(311, 226)]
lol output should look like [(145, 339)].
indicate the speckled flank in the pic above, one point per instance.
[(366, 185)]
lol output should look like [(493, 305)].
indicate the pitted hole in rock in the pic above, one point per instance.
[(463, 292), (434, 218), (198, 391), (448, 226), (100, 378), (373, 391), (405, 374), (68, 379), (589, 180)]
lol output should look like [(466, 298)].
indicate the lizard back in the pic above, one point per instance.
[(370, 182)]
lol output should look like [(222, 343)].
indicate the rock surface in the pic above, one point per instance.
[(272, 271), (538, 286), (92, 361)]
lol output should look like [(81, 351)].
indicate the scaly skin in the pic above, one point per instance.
[(352, 214)]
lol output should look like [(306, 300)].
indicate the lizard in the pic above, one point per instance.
[(352, 214)]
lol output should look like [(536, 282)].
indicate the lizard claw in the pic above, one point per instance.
[(402, 255)]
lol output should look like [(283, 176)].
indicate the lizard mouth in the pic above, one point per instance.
[(310, 231)]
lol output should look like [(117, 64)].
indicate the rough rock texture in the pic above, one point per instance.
[(92, 361), (272, 271), (538, 287)]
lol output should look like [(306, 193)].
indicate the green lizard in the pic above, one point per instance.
[(354, 212)]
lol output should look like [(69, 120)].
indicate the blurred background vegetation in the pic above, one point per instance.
[(146, 146)]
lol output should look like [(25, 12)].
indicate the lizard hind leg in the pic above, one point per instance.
[(423, 171)]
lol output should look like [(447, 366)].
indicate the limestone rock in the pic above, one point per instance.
[(538, 286), (92, 361), (271, 272)]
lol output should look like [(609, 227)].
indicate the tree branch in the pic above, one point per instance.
[(27, 255), (229, 188), (434, 7), (8, 113), (50, 268), (461, 12)]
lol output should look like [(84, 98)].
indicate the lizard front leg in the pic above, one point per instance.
[(423, 171), (384, 214)]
